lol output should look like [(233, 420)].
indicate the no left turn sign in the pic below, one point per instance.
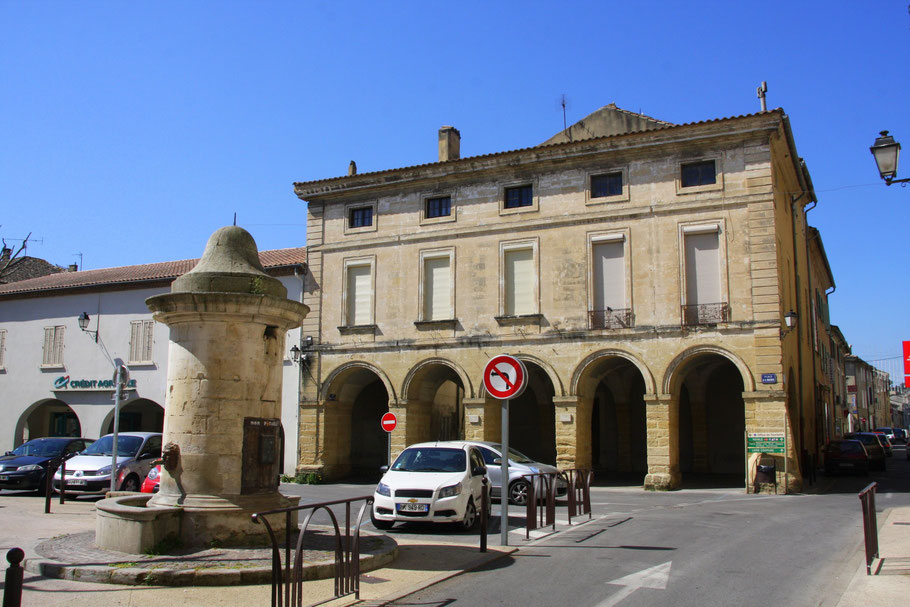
[(505, 377)]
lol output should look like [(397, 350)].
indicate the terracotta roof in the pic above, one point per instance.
[(468, 159), (152, 272)]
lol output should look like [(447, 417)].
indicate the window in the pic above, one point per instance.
[(703, 289), (519, 196), (360, 217), (609, 184), (437, 287), (53, 347), (359, 295), (698, 173), (141, 339), (609, 308), (438, 207), (519, 282), (2, 348)]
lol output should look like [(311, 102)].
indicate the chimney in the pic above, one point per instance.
[(73, 268), (449, 144)]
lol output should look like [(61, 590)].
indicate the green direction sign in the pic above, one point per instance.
[(765, 442)]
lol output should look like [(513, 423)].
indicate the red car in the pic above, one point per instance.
[(150, 484)]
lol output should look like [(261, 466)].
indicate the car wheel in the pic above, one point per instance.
[(42, 486), (470, 516), (380, 524), (131, 483), (518, 493)]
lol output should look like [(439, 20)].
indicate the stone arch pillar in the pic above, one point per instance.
[(481, 420), (766, 411), (573, 431), (662, 418)]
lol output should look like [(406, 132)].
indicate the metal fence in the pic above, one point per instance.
[(579, 480), (542, 488), (287, 579), (610, 318), (870, 524), (705, 314)]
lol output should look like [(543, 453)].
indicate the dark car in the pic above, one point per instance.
[(25, 466), (847, 456), (873, 447), (885, 441)]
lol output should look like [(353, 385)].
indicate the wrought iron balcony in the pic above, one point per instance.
[(610, 318), (705, 314)]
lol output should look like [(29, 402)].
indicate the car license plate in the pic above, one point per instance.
[(3, 477), (75, 481), (413, 507)]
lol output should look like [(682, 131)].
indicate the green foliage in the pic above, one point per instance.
[(256, 286), (303, 478)]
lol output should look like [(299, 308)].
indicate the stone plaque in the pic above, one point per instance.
[(261, 448)]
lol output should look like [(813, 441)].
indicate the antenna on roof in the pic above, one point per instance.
[(762, 90), (235, 218), (79, 255), (564, 103)]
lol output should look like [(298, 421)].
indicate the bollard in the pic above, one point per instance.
[(12, 593), (484, 508), (63, 481)]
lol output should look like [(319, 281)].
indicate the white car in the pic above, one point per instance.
[(431, 482), (519, 465), (89, 473)]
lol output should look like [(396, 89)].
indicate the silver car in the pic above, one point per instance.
[(519, 465), (89, 473)]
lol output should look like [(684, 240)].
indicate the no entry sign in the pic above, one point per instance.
[(388, 422), (505, 377)]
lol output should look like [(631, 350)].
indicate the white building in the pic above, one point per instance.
[(56, 380)]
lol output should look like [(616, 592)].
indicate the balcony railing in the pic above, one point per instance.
[(610, 318), (705, 314)]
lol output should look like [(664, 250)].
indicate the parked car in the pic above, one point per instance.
[(89, 473), (846, 455), (885, 443), (873, 447), (889, 432), (152, 480), (25, 466), (519, 465), (432, 482), (900, 434)]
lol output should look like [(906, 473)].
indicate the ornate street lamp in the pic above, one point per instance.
[(83, 324), (886, 151)]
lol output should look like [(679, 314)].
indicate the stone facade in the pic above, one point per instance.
[(641, 275)]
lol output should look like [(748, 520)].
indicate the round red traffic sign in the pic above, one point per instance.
[(388, 422), (505, 377)]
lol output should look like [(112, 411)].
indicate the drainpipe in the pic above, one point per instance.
[(799, 342)]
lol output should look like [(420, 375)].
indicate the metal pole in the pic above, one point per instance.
[(504, 478), (389, 451), (117, 388)]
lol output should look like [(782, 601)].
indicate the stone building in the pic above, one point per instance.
[(860, 391), (821, 284), (839, 349), (56, 380), (643, 271)]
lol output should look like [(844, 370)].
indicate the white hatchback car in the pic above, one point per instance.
[(431, 482), (89, 473)]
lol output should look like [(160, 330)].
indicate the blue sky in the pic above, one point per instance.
[(131, 131)]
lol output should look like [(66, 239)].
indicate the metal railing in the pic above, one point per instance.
[(542, 488), (579, 480), (12, 586), (610, 318), (870, 524), (705, 314), (287, 580)]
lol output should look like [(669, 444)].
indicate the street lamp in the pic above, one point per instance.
[(83, 324), (789, 322), (886, 151)]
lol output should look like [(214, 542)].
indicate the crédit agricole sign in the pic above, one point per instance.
[(65, 383)]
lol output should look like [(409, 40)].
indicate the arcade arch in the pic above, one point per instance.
[(435, 390), (136, 415), (46, 417)]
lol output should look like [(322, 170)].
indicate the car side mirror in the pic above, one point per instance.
[(497, 461), (73, 454), (478, 471), (383, 469), (8, 453)]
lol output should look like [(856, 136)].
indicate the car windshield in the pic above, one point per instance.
[(431, 459), (127, 446), (866, 439), (42, 447), (515, 456)]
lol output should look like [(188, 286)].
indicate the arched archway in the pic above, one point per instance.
[(615, 385), (136, 415), (47, 417), (358, 394), (435, 390), (712, 421)]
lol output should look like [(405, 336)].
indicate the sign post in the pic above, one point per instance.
[(505, 377), (388, 423), (121, 379)]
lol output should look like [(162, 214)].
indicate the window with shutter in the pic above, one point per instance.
[(609, 275), (2, 348), (519, 282), (141, 340), (437, 288), (359, 295), (53, 347), (702, 268)]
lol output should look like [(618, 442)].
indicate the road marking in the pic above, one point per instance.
[(653, 577)]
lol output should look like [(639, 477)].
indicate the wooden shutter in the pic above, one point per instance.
[(609, 275), (58, 346), (148, 336), (359, 296), (437, 289), (2, 347), (519, 282), (702, 268), (135, 341)]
